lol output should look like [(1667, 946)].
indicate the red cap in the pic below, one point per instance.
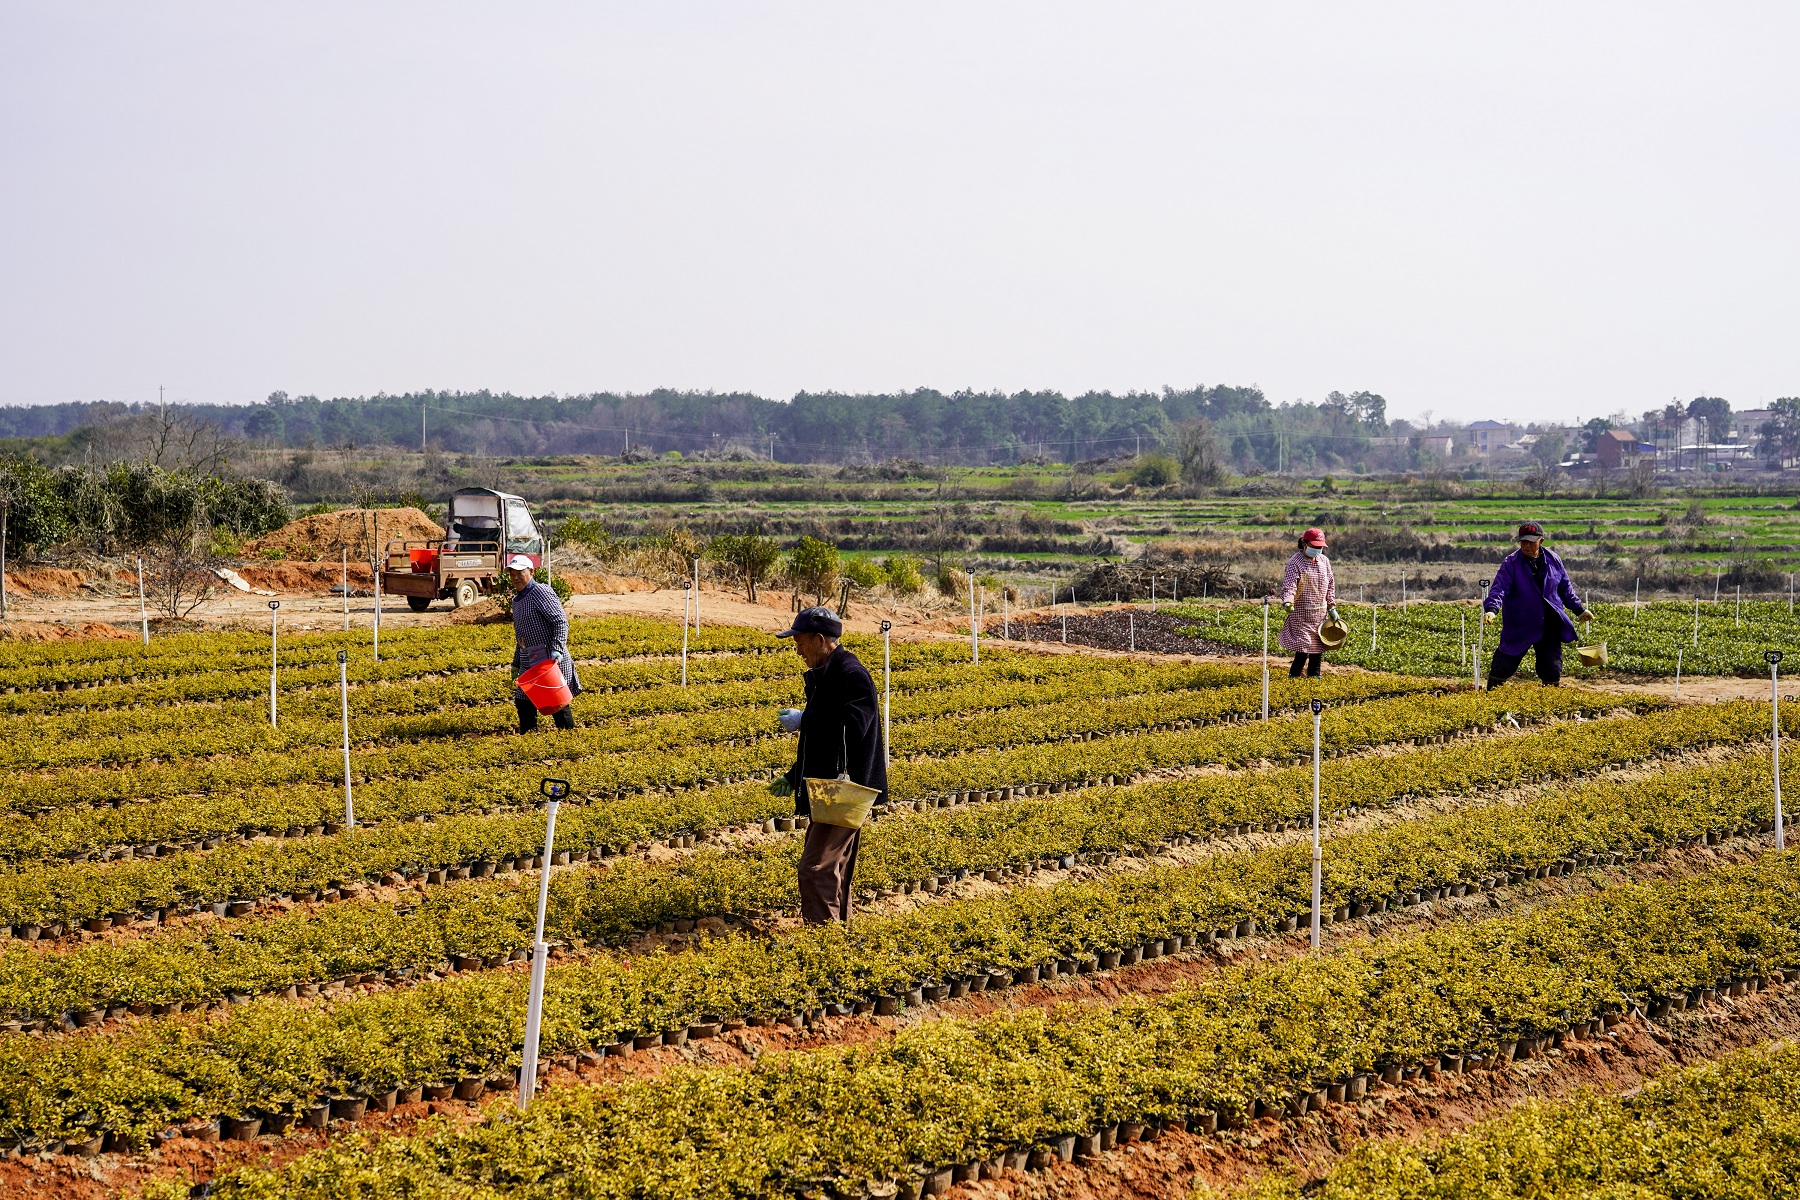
[(1314, 537)]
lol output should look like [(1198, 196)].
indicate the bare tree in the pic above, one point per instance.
[(182, 573)]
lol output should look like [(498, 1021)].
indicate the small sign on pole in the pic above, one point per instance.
[(887, 689), (1480, 629), (1317, 858), (687, 599), (273, 622), (555, 790), (143, 613), (1773, 658), (344, 709)]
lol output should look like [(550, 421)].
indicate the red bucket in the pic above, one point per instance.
[(543, 685), (423, 560)]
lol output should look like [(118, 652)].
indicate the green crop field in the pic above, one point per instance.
[(202, 947)]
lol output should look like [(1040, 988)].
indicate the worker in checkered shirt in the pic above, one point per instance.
[(541, 629)]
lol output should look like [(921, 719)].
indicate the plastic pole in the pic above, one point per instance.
[(1635, 589), (1679, 650), (1317, 859), (344, 708), (974, 641), (375, 535), (143, 613), (346, 565), (1738, 617), (273, 605), (1153, 593), (696, 594), (1462, 651), (1131, 627), (686, 600), (1005, 616), (1374, 619), (1775, 742), (887, 690), (1265, 708), (1718, 577), (1696, 622), (540, 953)]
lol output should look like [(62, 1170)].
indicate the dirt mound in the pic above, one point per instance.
[(55, 582), (306, 576), (44, 631), (482, 612), (602, 583), (327, 535)]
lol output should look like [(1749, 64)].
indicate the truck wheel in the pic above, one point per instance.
[(418, 603), (466, 593)]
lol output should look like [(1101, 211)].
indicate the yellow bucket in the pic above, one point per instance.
[(1333, 634), (839, 801), (1592, 656)]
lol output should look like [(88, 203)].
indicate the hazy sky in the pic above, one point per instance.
[(1529, 209)]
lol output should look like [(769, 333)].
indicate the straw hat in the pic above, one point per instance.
[(1333, 634), (1592, 656)]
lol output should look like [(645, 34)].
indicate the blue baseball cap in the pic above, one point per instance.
[(817, 619)]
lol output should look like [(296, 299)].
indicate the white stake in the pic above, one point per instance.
[(1317, 860), (1480, 640), (1679, 651), (687, 596), (887, 690), (344, 708), (375, 536), (974, 642), (1718, 575), (1774, 657), (1374, 620), (1153, 593), (1739, 618), (1790, 593), (1403, 593), (346, 566), (1005, 615), (273, 605), (143, 614), (1265, 710), (696, 594), (1462, 651), (1696, 622), (1131, 626), (1635, 589), (555, 789)]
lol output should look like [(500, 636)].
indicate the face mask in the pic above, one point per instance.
[(1314, 551)]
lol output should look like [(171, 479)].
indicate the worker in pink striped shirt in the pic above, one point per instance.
[(1310, 594)]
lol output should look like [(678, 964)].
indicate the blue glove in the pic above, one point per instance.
[(790, 719)]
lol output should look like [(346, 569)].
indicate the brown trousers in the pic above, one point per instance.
[(827, 866)]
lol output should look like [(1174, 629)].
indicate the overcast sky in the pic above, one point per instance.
[(1531, 210)]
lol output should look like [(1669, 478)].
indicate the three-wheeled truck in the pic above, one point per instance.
[(484, 528)]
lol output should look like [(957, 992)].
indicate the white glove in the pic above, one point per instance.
[(790, 719), (1586, 618), (1487, 618)]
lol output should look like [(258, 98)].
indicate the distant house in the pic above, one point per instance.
[(1487, 436), (1746, 426), (1620, 448)]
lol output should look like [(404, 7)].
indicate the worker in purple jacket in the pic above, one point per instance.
[(1533, 596)]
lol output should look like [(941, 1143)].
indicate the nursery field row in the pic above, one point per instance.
[(1712, 1131), (416, 709), (948, 944), (734, 742), (1439, 639), (77, 892), (938, 1093), (29, 663)]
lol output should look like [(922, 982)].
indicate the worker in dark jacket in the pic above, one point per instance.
[(840, 734), (541, 629), (1533, 596)]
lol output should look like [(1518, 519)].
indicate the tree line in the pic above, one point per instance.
[(925, 424)]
